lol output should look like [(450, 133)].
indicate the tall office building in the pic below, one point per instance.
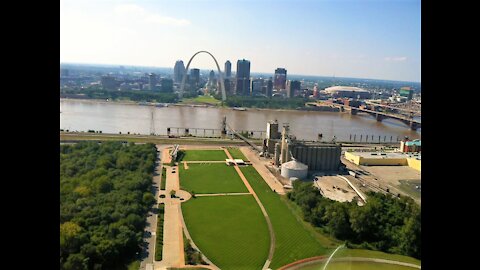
[(256, 87), (152, 81), (195, 75), (292, 86), (228, 86), (211, 76), (228, 69), (166, 85), (269, 87), (178, 71), (243, 78), (280, 78)]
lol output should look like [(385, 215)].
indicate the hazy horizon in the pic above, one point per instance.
[(233, 71), (377, 40)]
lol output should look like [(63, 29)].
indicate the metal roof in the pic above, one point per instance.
[(294, 165)]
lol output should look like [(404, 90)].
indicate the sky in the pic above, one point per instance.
[(373, 39)]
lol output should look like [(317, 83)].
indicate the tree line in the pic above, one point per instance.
[(97, 92), (105, 194), (384, 223), (264, 102)]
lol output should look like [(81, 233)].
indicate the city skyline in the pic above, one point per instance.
[(370, 40)]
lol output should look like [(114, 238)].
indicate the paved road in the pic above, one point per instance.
[(148, 251), (173, 252)]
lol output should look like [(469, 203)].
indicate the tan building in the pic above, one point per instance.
[(385, 159)]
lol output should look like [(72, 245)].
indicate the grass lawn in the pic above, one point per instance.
[(210, 178), (134, 265), (202, 155), (294, 241), (163, 181), (236, 153), (230, 230), (357, 266), (202, 99), (159, 234)]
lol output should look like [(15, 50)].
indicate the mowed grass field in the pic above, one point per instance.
[(293, 240), (356, 266), (210, 178), (230, 230), (203, 155), (236, 153)]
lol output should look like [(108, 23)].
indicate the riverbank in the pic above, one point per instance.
[(200, 105)]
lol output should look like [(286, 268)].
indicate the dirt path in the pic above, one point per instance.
[(206, 161), (269, 178), (267, 218), (185, 165), (221, 194)]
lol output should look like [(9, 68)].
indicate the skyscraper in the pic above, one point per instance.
[(292, 86), (178, 71), (228, 69), (256, 86), (280, 78), (243, 78), (152, 81), (211, 76), (166, 85), (269, 87), (195, 75)]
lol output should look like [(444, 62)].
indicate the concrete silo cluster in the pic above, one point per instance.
[(297, 158)]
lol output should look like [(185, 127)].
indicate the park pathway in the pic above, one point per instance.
[(265, 214), (173, 252)]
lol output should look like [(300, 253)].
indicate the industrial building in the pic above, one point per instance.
[(406, 92), (410, 146), (413, 160), (309, 157), (347, 92), (294, 169)]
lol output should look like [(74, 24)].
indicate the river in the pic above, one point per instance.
[(111, 117)]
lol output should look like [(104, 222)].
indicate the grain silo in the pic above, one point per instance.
[(294, 168)]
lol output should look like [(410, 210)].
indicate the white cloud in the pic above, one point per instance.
[(396, 58), (135, 11), (155, 18), (129, 9)]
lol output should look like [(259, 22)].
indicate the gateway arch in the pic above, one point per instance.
[(222, 83)]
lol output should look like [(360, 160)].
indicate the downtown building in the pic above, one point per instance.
[(269, 88), (228, 69), (242, 87), (257, 86), (280, 79), (178, 71), (194, 76), (292, 87)]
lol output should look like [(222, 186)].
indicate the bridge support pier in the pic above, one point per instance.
[(413, 125), (379, 117)]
